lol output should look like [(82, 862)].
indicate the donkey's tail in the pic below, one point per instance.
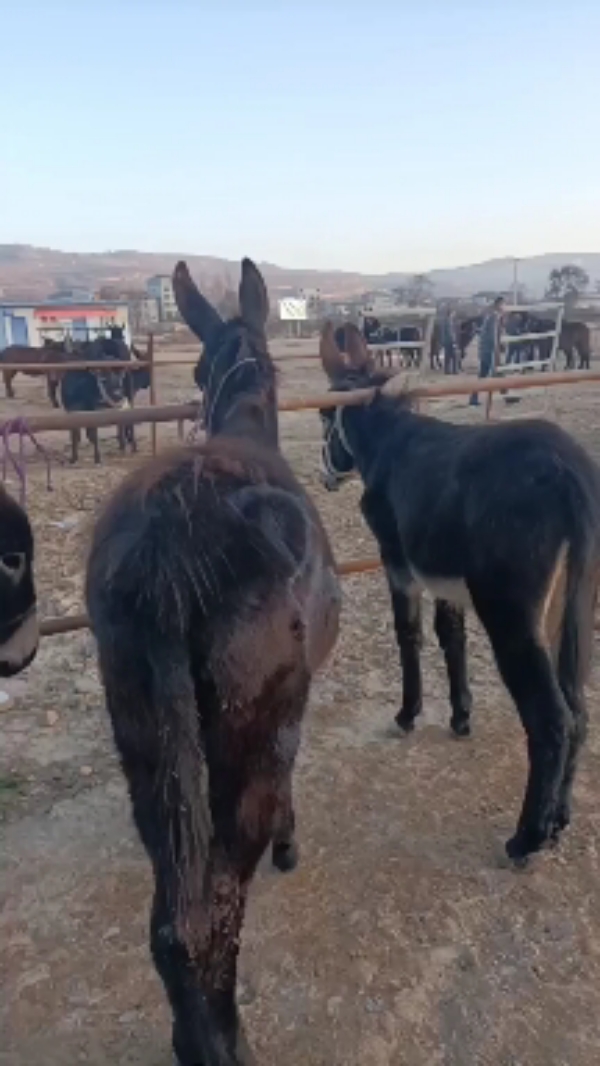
[(157, 729), (182, 785)]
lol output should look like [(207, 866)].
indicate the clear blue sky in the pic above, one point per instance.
[(375, 135)]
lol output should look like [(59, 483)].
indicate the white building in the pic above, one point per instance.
[(29, 324), (144, 313), (378, 303), (160, 288)]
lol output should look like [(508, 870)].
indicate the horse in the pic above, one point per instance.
[(19, 629), (504, 518), (213, 596), (50, 352)]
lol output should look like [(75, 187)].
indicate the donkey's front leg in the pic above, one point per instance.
[(285, 849), (407, 623), (452, 638)]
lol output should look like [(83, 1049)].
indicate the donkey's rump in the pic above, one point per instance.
[(241, 530), (496, 503)]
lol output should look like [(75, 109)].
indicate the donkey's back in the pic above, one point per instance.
[(203, 541)]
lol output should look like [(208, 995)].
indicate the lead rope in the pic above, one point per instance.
[(205, 417), (18, 463), (337, 426)]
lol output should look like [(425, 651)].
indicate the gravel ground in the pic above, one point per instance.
[(402, 939)]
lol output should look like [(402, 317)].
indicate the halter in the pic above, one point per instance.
[(337, 426), (121, 404), (232, 369)]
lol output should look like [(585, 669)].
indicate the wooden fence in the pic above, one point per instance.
[(181, 412)]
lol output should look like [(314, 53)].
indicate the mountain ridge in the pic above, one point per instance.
[(32, 272)]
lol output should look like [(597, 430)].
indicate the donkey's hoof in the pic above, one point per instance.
[(285, 857), (405, 722), (562, 821), (524, 844), (461, 728)]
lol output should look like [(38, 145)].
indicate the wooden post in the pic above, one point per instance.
[(153, 391), (427, 337)]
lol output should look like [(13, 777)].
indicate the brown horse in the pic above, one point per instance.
[(50, 352), (213, 595)]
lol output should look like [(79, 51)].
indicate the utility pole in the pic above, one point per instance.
[(515, 281)]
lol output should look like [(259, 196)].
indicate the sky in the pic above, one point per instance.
[(369, 136)]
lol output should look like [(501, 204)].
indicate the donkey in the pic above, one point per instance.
[(505, 518), (95, 390), (24, 354), (575, 339), (19, 630), (213, 596)]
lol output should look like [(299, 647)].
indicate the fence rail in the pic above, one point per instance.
[(189, 411), (181, 412)]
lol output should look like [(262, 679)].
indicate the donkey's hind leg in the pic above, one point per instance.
[(201, 982), (450, 630), (529, 674), (246, 801), (574, 655)]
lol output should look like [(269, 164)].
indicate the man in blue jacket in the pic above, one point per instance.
[(489, 342)]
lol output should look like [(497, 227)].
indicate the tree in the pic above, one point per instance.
[(420, 290), (569, 280), (224, 297)]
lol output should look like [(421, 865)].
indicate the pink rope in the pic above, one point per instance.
[(17, 461)]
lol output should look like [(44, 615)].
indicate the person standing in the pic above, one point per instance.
[(489, 342), (450, 342)]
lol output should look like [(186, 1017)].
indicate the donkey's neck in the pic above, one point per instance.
[(254, 417), (368, 429)]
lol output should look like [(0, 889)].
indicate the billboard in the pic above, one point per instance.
[(292, 309)]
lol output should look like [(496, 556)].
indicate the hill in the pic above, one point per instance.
[(27, 272)]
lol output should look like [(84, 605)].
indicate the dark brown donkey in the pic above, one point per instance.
[(19, 631), (213, 596), (505, 518), (50, 352)]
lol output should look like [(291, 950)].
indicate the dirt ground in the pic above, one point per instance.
[(402, 939)]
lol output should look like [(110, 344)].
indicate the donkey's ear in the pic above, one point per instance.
[(356, 348), (332, 359), (254, 298), (194, 308)]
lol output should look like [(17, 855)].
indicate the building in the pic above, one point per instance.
[(76, 294), (27, 323), (313, 302), (144, 314), (160, 288), (379, 303)]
